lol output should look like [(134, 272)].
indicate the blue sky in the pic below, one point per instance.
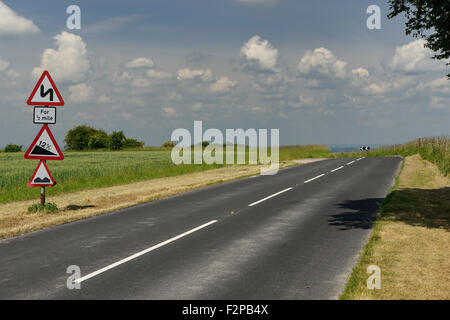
[(310, 68)]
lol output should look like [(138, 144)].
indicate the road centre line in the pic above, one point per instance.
[(337, 169), (315, 178), (351, 162), (134, 256), (271, 196)]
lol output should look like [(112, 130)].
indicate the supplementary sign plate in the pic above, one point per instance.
[(44, 115)]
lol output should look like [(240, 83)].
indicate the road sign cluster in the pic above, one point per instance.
[(364, 148), (44, 97)]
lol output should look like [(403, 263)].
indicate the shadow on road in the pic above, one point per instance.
[(359, 214), (417, 207)]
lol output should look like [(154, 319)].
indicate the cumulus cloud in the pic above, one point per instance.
[(413, 57), (103, 99), (187, 74), (69, 62), (322, 62), (140, 62), (6, 69), (80, 93), (260, 54), (169, 112), (222, 85), (13, 24), (439, 103), (155, 74), (140, 83), (360, 73)]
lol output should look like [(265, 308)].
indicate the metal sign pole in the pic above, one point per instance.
[(43, 192), (42, 196)]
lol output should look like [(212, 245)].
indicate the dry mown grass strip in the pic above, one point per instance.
[(411, 240), (15, 219)]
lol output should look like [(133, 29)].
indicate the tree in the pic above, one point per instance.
[(99, 140), (117, 140), (78, 138), (427, 19), (168, 144), (13, 148)]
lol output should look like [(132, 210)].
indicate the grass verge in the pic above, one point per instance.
[(410, 241)]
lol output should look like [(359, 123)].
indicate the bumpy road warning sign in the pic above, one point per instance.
[(44, 146), (41, 176), (45, 93)]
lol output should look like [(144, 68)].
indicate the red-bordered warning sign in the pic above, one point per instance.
[(45, 93), (41, 176), (44, 146)]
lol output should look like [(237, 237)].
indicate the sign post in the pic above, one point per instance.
[(45, 96)]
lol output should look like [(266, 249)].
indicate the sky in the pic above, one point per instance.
[(311, 69)]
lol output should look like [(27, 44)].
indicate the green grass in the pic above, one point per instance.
[(95, 169), (87, 170), (46, 208), (434, 149)]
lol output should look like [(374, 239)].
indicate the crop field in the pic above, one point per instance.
[(89, 170), (86, 170)]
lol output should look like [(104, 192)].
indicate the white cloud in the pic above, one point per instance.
[(80, 93), (13, 24), (141, 83), (360, 73), (68, 63), (439, 103), (161, 75), (4, 65), (413, 57), (222, 85), (260, 53), (6, 69), (188, 74), (322, 61), (140, 62), (169, 112), (103, 99)]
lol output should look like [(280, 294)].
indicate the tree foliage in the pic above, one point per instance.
[(117, 140), (78, 137), (13, 148), (85, 137), (427, 19)]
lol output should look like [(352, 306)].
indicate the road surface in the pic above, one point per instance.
[(295, 235)]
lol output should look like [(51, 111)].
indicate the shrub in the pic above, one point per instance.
[(133, 143), (99, 140), (47, 208), (168, 144), (117, 140), (13, 148)]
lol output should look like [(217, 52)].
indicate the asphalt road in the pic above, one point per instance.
[(295, 235)]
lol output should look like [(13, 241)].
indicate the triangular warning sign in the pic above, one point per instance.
[(44, 146), (42, 176), (45, 93)]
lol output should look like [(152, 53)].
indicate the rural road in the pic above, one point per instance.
[(295, 235)]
